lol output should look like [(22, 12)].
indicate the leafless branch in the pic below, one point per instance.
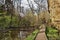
[(30, 6)]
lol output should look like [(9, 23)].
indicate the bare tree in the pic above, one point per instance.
[(48, 6), (30, 6), (10, 8), (19, 14), (40, 6)]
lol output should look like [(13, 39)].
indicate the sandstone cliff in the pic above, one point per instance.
[(54, 7)]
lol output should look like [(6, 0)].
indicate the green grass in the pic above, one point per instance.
[(52, 33), (32, 36)]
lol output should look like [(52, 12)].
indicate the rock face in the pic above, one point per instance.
[(54, 7)]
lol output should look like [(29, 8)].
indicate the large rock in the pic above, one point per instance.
[(54, 7)]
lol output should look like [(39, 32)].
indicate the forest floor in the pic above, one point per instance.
[(41, 35)]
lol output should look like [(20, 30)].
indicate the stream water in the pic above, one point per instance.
[(14, 35)]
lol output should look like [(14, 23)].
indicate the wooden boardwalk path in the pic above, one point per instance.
[(41, 35)]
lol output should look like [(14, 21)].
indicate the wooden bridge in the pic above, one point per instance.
[(41, 35)]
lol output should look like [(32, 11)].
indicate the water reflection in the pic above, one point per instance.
[(14, 35)]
